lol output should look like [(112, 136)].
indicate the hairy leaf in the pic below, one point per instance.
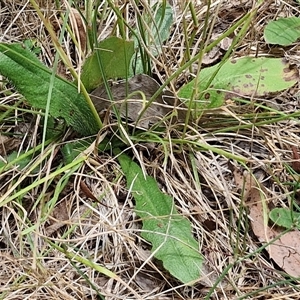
[(283, 31), (246, 76), (168, 232), (32, 79), (114, 54)]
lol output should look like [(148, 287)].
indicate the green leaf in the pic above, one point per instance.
[(168, 232), (13, 157), (32, 46), (73, 148), (246, 76), (32, 79), (285, 217), (159, 23), (55, 128), (115, 55), (283, 31)]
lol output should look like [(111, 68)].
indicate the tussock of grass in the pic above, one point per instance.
[(191, 166)]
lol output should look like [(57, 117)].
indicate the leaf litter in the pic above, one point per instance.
[(132, 100), (111, 235), (283, 247)]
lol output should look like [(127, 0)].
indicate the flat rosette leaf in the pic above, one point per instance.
[(111, 58), (283, 31), (285, 217), (167, 231), (32, 79), (236, 78)]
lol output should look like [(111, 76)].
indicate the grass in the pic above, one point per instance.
[(69, 231)]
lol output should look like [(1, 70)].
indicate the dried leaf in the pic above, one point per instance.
[(212, 56), (79, 28), (128, 98), (296, 157), (285, 251), (8, 144), (60, 215), (87, 191)]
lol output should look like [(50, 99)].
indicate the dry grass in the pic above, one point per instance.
[(200, 182)]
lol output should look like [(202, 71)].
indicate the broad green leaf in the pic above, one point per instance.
[(115, 55), (32, 79), (12, 157), (285, 217), (246, 76), (167, 231), (283, 31), (73, 148), (159, 23)]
